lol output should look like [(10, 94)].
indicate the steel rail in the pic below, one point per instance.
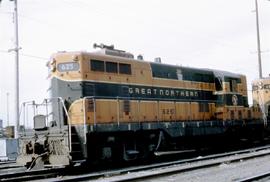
[(120, 172), (7, 162), (255, 177), (30, 177), (52, 173), (176, 170), (11, 167), (27, 175)]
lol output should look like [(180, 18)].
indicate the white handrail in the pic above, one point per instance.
[(69, 124), (44, 103), (84, 122)]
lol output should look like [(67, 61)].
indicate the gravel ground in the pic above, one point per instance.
[(223, 172)]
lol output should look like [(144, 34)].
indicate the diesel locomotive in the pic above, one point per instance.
[(107, 105)]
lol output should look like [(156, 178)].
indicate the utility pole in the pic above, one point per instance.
[(258, 40), (16, 50), (7, 109)]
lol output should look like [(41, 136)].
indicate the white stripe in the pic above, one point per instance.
[(98, 81)]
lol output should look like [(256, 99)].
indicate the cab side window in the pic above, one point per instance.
[(233, 86), (97, 65), (111, 67), (125, 68)]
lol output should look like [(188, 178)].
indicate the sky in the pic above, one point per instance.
[(216, 34)]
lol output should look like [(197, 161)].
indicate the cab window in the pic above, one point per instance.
[(125, 68), (111, 67), (233, 86), (97, 65)]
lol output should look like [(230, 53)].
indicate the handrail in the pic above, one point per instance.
[(93, 98), (23, 106), (69, 123), (45, 103), (95, 116), (118, 112), (84, 119), (158, 115)]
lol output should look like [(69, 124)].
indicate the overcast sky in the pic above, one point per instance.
[(218, 34)]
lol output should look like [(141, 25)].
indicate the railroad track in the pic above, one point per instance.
[(137, 172), (7, 162), (168, 168), (25, 175), (257, 177), (10, 167)]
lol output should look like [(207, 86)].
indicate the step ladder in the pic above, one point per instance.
[(76, 146)]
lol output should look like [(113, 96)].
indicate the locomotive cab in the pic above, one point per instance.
[(232, 103), (261, 95)]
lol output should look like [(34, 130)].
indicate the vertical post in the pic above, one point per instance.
[(16, 49), (85, 101), (118, 112), (7, 109), (47, 112), (258, 40)]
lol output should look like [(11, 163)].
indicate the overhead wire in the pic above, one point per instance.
[(27, 55)]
